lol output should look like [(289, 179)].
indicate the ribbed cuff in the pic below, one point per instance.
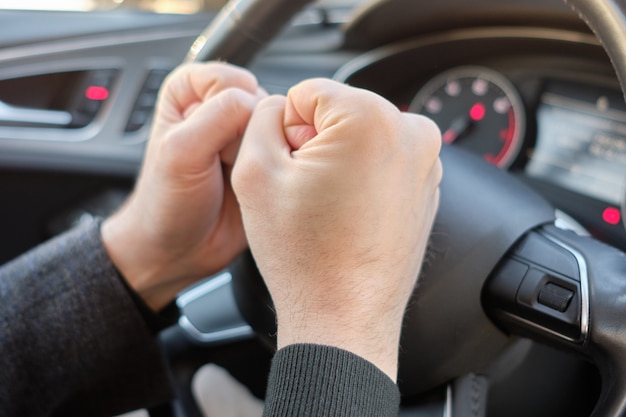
[(315, 380)]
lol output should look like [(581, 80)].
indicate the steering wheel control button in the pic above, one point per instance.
[(506, 281), (541, 251), (556, 297), (546, 300), (534, 279), (544, 308)]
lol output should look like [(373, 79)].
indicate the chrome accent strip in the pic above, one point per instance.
[(228, 335), (378, 54), (564, 221), (60, 65), (213, 284), (539, 327), (73, 45), (13, 114), (584, 285), (447, 409)]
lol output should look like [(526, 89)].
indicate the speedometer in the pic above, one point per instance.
[(475, 108)]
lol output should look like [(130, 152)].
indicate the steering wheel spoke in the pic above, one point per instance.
[(584, 309), (541, 287), (210, 330)]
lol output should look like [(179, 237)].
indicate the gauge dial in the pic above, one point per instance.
[(476, 108)]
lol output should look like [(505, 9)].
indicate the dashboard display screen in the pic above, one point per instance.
[(581, 140)]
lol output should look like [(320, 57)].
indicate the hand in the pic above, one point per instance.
[(182, 221), (338, 191)]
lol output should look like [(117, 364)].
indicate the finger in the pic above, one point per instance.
[(323, 103), (260, 94), (264, 145), (300, 108), (229, 154), (297, 130), (194, 83), (215, 128), (230, 151), (345, 119)]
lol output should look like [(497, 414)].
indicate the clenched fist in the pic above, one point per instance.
[(338, 191), (182, 221)]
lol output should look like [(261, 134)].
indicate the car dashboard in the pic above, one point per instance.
[(523, 85), (542, 103), (560, 122), (77, 95)]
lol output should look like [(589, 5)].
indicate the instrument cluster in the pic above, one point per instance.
[(550, 117)]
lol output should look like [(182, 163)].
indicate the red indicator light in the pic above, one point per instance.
[(449, 136), (96, 93), (403, 107), (477, 112), (611, 215)]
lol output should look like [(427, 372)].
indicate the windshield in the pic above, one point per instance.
[(157, 6)]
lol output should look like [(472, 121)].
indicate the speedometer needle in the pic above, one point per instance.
[(457, 129)]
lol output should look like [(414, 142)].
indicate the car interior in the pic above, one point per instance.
[(519, 308)]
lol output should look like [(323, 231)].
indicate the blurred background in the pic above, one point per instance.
[(156, 6)]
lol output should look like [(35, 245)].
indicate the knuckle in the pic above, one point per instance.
[(233, 101), (426, 134), (175, 77), (169, 152), (245, 178), (226, 76), (319, 86), (438, 172), (432, 134)]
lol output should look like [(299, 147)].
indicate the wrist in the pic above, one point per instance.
[(143, 269), (375, 339)]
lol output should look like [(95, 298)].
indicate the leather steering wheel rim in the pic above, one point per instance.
[(607, 19)]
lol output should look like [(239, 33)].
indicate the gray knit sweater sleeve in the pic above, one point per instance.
[(72, 341), (313, 380)]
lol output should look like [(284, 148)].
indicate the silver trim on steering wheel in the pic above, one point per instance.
[(227, 323)]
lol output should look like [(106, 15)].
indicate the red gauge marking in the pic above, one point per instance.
[(403, 107), (96, 93), (611, 215), (449, 136), (507, 136), (477, 112), (458, 127)]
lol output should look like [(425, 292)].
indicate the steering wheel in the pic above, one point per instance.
[(497, 265)]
